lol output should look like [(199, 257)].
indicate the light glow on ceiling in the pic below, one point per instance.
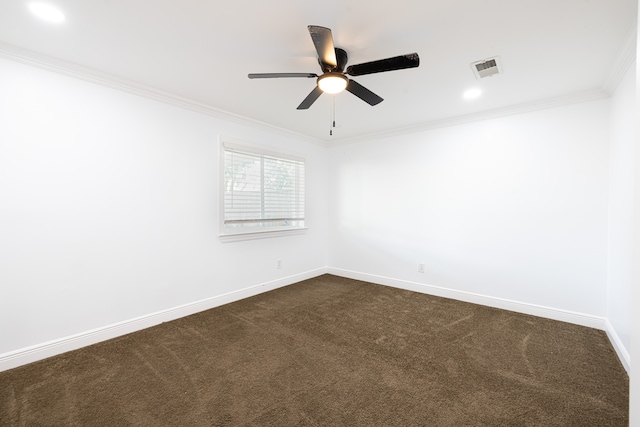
[(332, 83), (472, 93), (47, 12)]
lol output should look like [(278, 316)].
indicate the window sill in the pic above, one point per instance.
[(236, 237)]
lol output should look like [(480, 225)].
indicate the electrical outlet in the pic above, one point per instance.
[(278, 263), (420, 268)]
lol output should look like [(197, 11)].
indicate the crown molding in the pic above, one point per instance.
[(70, 69), (574, 98), (626, 57)]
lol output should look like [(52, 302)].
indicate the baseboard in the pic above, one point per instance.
[(618, 346), (519, 307), (595, 322), (52, 348)]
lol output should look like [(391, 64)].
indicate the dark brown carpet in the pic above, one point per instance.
[(331, 352)]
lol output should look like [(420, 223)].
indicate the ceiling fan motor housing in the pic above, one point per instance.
[(341, 60)]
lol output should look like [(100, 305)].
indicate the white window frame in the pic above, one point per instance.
[(236, 235)]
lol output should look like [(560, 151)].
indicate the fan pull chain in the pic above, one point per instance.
[(332, 113)]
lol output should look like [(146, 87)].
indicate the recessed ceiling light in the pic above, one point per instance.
[(472, 94), (47, 12)]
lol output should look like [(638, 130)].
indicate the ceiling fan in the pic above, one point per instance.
[(334, 75)]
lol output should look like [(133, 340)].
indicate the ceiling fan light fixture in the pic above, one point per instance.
[(332, 83)]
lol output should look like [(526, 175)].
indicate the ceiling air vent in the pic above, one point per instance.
[(486, 67)]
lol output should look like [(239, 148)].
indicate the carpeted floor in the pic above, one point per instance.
[(331, 352)]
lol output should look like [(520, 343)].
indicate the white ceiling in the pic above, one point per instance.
[(203, 50)]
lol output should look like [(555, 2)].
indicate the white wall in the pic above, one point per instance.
[(621, 210), (512, 208), (109, 209)]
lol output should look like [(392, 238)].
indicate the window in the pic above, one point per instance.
[(262, 194)]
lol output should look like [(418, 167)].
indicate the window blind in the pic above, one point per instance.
[(262, 191)]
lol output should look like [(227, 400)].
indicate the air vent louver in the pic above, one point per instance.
[(486, 68)]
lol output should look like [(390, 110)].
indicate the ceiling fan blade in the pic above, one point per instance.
[(363, 93), (310, 99), (410, 60), (277, 75), (323, 41)]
